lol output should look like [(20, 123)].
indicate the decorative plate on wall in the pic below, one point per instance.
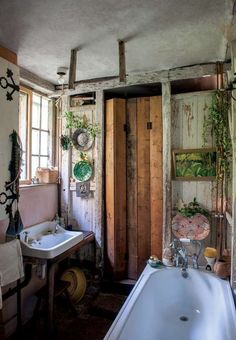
[(83, 171), (82, 139)]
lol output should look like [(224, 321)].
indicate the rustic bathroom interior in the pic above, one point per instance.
[(118, 169)]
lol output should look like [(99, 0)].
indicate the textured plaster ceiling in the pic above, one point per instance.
[(160, 34)]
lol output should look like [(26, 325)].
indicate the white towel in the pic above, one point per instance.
[(11, 264)]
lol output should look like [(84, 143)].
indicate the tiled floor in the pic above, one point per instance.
[(95, 314)]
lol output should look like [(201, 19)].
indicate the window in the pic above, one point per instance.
[(35, 132)]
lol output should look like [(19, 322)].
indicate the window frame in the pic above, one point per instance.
[(29, 129)]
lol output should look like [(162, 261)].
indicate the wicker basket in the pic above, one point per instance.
[(46, 175)]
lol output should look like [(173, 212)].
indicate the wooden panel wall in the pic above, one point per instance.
[(188, 112), (116, 186), (156, 176), (144, 182), (143, 178), (132, 189)]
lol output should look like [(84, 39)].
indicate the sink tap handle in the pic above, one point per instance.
[(26, 238)]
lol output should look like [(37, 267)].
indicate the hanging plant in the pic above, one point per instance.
[(77, 122), (65, 141), (217, 125), (193, 208)]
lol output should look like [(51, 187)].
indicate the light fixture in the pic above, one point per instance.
[(61, 71)]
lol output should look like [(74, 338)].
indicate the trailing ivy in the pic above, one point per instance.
[(217, 125), (77, 122), (193, 208)]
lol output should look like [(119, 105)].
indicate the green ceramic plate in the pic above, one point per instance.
[(83, 171)]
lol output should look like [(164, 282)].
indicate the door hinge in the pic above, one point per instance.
[(149, 125), (126, 128)]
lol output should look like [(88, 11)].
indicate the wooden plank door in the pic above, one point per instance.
[(144, 182), (115, 183), (133, 184)]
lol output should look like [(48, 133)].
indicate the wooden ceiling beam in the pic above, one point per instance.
[(72, 71), (122, 64), (31, 80), (187, 72)]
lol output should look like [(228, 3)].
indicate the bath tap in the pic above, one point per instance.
[(26, 238), (195, 256)]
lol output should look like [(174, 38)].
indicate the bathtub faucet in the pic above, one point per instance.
[(180, 254)]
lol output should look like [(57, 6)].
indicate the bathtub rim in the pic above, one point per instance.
[(122, 317)]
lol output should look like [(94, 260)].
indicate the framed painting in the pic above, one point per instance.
[(194, 164)]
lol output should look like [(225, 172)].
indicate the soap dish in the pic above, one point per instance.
[(154, 261)]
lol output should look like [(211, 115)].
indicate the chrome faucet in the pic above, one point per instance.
[(180, 254), (195, 256), (26, 238)]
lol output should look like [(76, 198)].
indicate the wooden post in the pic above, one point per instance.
[(72, 73), (99, 170), (233, 226), (122, 67), (167, 195)]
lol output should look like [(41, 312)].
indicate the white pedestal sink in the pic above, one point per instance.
[(48, 240)]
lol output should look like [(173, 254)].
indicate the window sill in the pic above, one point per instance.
[(30, 185)]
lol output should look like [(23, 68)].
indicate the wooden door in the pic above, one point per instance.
[(144, 182), (115, 182), (133, 183)]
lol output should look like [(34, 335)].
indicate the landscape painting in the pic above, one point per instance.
[(194, 164)]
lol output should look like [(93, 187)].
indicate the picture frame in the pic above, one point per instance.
[(83, 189), (194, 164)]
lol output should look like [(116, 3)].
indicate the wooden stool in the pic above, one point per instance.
[(61, 287)]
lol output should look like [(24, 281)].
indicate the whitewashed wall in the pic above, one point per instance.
[(9, 121), (188, 112), (84, 213)]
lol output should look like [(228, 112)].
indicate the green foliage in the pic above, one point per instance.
[(65, 142), (193, 208), (217, 125), (203, 166), (77, 122)]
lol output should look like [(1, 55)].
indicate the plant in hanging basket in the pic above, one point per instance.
[(74, 121), (65, 142), (191, 222)]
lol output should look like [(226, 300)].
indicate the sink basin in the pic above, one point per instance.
[(47, 240)]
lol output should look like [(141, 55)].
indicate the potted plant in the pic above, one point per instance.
[(65, 142), (191, 221)]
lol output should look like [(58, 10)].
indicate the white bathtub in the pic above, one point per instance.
[(163, 305)]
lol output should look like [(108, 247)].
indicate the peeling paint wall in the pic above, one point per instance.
[(188, 112), (83, 213)]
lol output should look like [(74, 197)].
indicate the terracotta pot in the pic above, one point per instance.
[(222, 269)]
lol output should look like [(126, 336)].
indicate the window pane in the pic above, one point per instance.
[(44, 122), (34, 164), (35, 142), (36, 111), (44, 143), (22, 131), (44, 162)]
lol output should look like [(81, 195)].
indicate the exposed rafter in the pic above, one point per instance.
[(32, 80), (72, 72), (122, 65), (187, 72)]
